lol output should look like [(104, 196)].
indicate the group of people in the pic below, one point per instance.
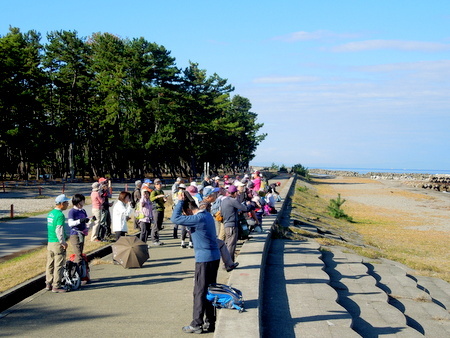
[(208, 213), (211, 212)]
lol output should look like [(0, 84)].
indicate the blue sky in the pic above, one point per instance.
[(345, 84)]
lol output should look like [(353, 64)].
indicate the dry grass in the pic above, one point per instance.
[(390, 231)]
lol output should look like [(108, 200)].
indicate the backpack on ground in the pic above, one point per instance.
[(225, 297), (71, 276), (243, 228), (83, 267)]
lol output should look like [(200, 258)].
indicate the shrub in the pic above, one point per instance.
[(301, 170), (335, 209)]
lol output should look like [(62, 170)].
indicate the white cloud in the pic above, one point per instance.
[(422, 46), (285, 79), (424, 66), (317, 35)]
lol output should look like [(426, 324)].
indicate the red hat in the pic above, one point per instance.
[(226, 176), (102, 179)]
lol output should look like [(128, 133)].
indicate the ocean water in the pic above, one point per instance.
[(385, 170)]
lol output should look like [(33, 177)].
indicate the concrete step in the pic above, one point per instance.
[(421, 312), (295, 277), (372, 314), (438, 289)]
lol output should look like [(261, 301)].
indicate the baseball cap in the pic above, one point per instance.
[(102, 179), (209, 190), (147, 180), (61, 199)]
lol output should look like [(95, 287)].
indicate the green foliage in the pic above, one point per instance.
[(334, 208), (302, 189), (274, 167), (106, 105), (283, 169), (301, 170)]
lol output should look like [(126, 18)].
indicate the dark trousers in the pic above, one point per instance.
[(145, 228), (205, 274), (158, 217)]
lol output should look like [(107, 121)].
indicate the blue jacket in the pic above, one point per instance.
[(203, 232)]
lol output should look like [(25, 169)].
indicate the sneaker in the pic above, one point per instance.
[(48, 286), (232, 267), (209, 327), (191, 246), (158, 243), (59, 290), (192, 329), (183, 246)]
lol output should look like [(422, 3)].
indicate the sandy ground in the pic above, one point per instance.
[(429, 210)]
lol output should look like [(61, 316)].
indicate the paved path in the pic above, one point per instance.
[(154, 301), (306, 292)]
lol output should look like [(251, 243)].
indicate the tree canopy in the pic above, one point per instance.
[(104, 105)]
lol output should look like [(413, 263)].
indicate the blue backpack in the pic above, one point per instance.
[(225, 297)]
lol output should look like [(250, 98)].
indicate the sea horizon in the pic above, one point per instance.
[(388, 170)]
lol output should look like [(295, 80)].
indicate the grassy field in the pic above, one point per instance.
[(387, 233)]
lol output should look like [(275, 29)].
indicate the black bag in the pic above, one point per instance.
[(225, 297), (71, 276), (243, 230)]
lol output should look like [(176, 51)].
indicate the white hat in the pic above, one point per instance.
[(238, 183), (61, 199)]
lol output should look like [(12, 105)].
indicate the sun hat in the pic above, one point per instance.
[(216, 178), (61, 199), (95, 186), (181, 186), (102, 179), (238, 183)]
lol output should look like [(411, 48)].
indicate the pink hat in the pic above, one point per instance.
[(232, 189)]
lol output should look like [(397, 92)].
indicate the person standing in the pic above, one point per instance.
[(121, 214), (97, 203), (57, 245), (105, 222), (135, 198), (207, 258), (146, 214), (175, 188), (79, 225), (158, 199), (230, 207)]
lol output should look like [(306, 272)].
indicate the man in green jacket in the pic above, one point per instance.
[(57, 246), (158, 199)]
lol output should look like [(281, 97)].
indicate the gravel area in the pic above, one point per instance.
[(428, 209), (26, 199)]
